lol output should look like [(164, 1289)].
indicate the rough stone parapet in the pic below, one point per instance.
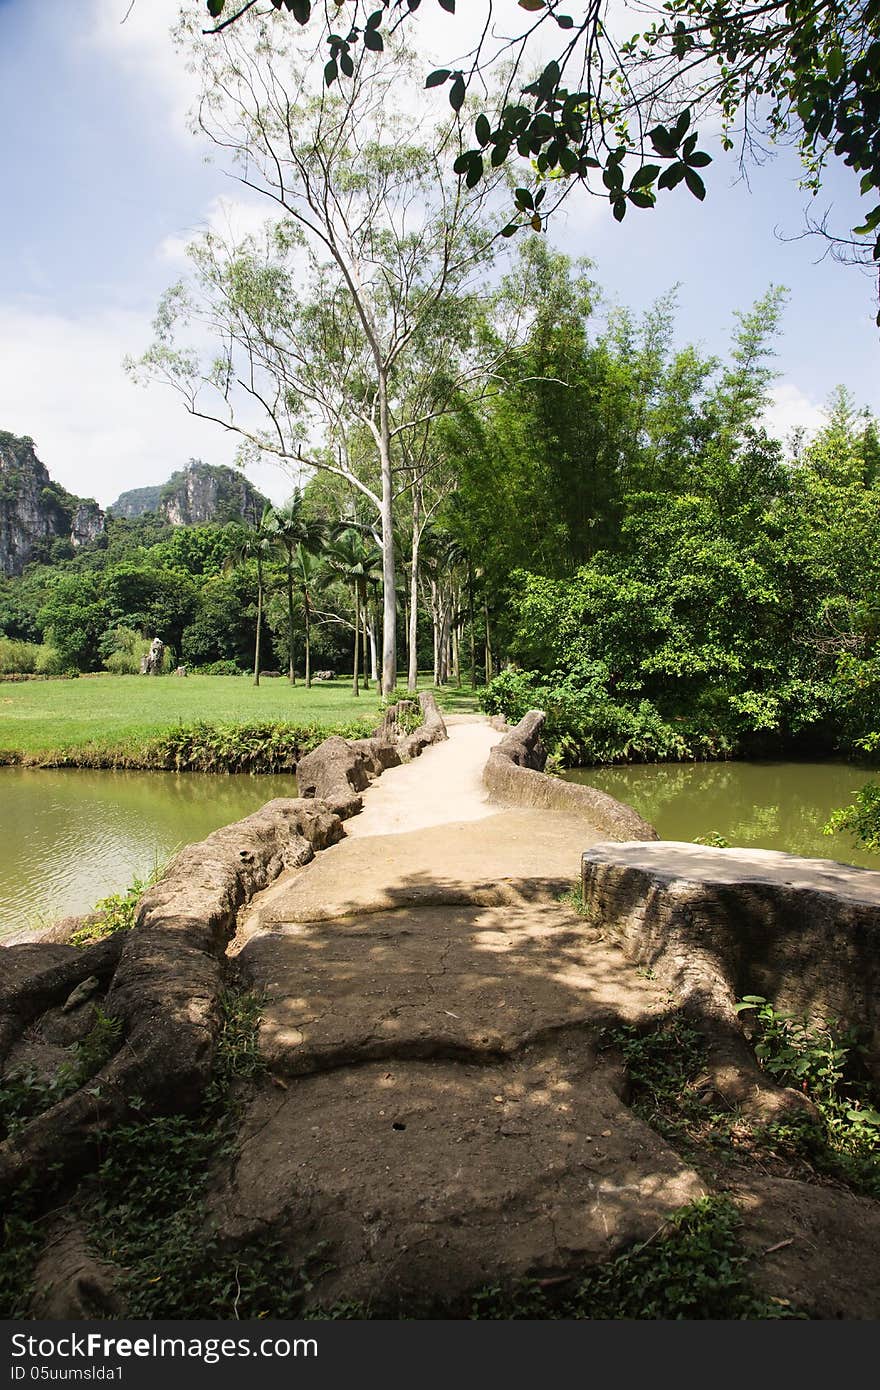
[(339, 769), (715, 924), (514, 776), (431, 730), (165, 979)]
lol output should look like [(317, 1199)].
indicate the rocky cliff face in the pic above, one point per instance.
[(204, 492), (35, 513), (136, 502), (199, 493)]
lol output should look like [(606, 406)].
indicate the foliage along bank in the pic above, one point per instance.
[(268, 747)]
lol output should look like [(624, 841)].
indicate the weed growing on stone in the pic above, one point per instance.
[(574, 898), (24, 1095), (116, 912), (147, 1211), (822, 1061), (693, 1267), (672, 1093)]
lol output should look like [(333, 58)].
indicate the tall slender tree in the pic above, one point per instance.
[(357, 561), (257, 544), (319, 329), (293, 531)]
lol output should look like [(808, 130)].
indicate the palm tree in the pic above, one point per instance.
[(443, 564), (256, 544), (358, 562), (309, 571), (291, 532)]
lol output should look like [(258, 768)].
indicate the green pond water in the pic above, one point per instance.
[(761, 805), (68, 838)]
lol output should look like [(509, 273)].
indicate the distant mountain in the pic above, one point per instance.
[(199, 493), (38, 518), (136, 502)]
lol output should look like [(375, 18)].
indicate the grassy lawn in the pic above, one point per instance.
[(39, 716)]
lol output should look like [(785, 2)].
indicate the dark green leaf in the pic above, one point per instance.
[(475, 172), (661, 140), (695, 183), (436, 78), (647, 174), (483, 129), (457, 91), (671, 176)]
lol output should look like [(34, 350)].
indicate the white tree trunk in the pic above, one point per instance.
[(371, 631), (413, 635), (435, 630)]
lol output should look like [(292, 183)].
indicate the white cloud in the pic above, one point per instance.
[(137, 40), (790, 409), (230, 218), (95, 430)]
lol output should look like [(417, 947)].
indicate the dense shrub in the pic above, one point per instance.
[(122, 651), (49, 662), (28, 658), (586, 725), (17, 658), (221, 668), (264, 747)]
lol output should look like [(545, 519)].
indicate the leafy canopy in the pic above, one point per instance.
[(620, 118)]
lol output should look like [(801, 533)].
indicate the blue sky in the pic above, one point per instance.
[(103, 183)]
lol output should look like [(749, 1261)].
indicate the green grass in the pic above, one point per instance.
[(41, 717)]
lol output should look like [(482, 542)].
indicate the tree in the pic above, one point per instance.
[(223, 628), (357, 562), (354, 308), (73, 618), (258, 545), (616, 112), (308, 571), (160, 602), (294, 533)]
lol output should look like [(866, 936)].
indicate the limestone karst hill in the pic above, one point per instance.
[(194, 495), (36, 513)]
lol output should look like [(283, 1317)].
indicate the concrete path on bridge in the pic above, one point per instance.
[(442, 1109), (428, 834)]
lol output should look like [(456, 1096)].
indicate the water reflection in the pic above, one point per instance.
[(764, 805), (68, 838)]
